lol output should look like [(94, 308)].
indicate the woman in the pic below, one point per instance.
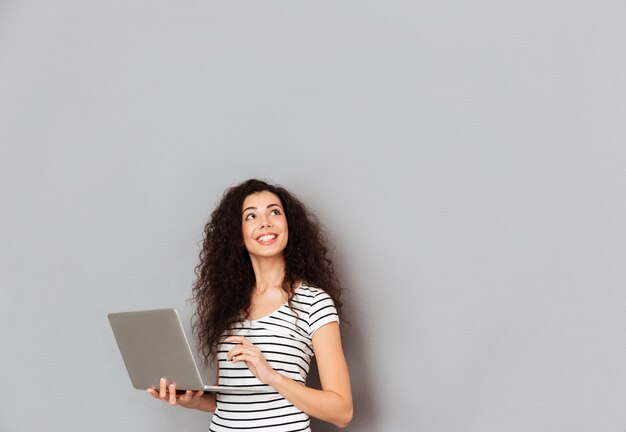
[(267, 300)]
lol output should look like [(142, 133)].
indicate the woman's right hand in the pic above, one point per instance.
[(167, 393)]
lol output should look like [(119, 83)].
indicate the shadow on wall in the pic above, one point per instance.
[(365, 416)]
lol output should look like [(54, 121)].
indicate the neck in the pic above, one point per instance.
[(268, 272)]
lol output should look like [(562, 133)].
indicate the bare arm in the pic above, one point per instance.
[(333, 403)]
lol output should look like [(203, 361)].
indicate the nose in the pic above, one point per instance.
[(264, 222)]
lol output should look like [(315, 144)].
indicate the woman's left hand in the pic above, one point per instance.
[(252, 357)]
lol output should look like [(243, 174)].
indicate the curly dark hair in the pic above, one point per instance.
[(225, 278)]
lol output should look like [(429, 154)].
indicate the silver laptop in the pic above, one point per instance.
[(153, 345)]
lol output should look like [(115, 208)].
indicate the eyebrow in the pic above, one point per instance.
[(254, 208)]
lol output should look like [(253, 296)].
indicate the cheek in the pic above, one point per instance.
[(246, 232), (285, 235), (247, 243)]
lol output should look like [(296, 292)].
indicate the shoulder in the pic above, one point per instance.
[(310, 294), (319, 306)]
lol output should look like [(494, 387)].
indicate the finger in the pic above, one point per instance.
[(243, 358), (238, 350), (172, 394), (241, 352), (241, 339), (237, 357), (187, 396), (244, 348), (153, 393), (232, 354), (163, 388)]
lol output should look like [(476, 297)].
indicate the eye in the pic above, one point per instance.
[(275, 212), (249, 216)]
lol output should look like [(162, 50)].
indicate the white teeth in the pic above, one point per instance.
[(266, 238)]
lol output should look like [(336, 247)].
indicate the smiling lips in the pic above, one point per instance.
[(266, 239)]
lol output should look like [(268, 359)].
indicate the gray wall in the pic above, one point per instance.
[(466, 158)]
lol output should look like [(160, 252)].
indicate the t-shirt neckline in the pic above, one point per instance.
[(272, 313)]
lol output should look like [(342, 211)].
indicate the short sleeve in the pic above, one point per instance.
[(322, 312)]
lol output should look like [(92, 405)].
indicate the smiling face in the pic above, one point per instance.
[(264, 225)]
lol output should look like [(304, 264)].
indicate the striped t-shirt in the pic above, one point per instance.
[(285, 338)]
